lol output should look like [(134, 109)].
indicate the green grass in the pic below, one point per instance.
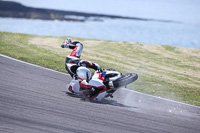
[(166, 71)]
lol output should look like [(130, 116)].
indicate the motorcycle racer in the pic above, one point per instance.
[(73, 61), (77, 68)]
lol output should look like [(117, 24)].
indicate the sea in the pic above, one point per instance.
[(181, 29)]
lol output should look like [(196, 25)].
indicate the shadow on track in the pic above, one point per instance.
[(105, 101)]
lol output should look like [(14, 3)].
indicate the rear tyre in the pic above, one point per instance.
[(125, 80)]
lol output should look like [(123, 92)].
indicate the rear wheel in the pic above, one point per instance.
[(125, 80)]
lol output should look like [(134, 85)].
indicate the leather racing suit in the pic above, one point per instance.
[(73, 61)]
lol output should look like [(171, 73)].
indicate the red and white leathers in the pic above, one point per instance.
[(73, 60), (97, 88), (95, 85)]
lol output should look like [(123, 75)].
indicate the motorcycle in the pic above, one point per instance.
[(101, 84)]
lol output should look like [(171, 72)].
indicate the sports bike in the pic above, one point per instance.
[(100, 85)]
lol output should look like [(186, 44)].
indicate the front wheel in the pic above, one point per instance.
[(125, 80)]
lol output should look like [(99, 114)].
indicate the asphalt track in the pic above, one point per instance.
[(33, 100)]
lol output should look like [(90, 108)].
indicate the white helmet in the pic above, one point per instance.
[(83, 73)]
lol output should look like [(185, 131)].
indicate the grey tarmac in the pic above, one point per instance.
[(33, 100)]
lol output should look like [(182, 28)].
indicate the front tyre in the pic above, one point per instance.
[(125, 80)]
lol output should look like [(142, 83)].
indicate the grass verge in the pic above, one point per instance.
[(165, 71)]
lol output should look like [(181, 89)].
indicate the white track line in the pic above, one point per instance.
[(32, 64), (162, 98), (123, 88)]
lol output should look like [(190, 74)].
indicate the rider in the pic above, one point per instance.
[(75, 66), (73, 61)]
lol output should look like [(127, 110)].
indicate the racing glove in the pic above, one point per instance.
[(63, 45)]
